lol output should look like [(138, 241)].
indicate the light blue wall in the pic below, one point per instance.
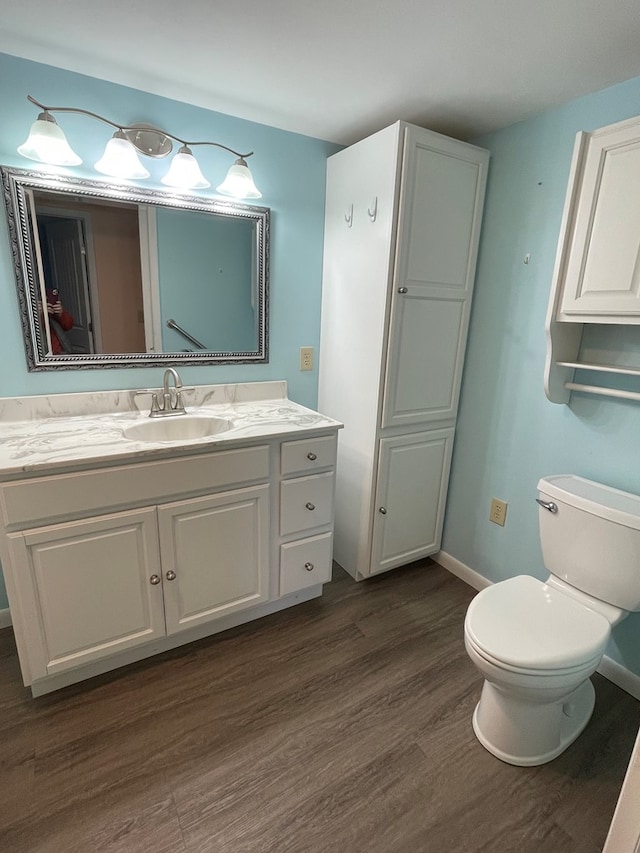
[(289, 169), (509, 435)]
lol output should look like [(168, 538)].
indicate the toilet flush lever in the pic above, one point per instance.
[(549, 505)]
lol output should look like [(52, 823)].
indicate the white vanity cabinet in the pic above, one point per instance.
[(402, 225), (112, 564), (90, 587), (97, 586), (596, 280)]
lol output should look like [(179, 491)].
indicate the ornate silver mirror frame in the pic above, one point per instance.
[(18, 186)]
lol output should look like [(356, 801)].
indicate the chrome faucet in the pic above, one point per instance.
[(171, 398)]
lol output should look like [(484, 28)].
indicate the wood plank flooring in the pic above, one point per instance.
[(343, 724)]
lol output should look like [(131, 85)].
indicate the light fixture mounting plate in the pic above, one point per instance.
[(148, 140)]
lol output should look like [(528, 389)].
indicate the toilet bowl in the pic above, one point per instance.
[(537, 643), (536, 661)]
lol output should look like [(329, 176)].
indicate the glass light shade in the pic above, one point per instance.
[(47, 143), (239, 182), (184, 172), (120, 159)]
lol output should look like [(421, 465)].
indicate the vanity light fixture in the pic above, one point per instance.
[(185, 171), (47, 143), (120, 159)]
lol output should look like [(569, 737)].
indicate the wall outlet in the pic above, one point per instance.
[(306, 358), (498, 512)]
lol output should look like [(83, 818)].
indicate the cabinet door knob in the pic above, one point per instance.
[(154, 580), (310, 506), (308, 567), (170, 575), (311, 457), (382, 511), (403, 290)]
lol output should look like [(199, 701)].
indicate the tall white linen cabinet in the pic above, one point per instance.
[(402, 224)]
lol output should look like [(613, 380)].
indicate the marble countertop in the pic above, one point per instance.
[(62, 431)]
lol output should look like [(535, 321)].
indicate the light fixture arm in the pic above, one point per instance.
[(217, 145), (74, 110), (124, 128)]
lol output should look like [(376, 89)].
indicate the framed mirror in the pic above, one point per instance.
[(117, 276)]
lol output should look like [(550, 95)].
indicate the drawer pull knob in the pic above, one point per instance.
[(311, 457), (308, 567), (310, 506), (382, 511), (170, 575), (154, 580), (403, 290)]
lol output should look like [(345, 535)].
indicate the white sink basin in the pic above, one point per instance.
[(176, 428)]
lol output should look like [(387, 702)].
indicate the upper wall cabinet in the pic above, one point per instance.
[(601, 278), (593, 339)]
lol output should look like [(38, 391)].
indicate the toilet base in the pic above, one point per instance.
[(526, 733)]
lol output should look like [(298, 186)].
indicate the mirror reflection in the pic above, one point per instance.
[(134, 276)]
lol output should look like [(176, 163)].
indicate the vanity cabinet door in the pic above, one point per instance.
[(410, 497), (215, 555), (88, 589)]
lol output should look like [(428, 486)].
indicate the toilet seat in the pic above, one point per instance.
[(522, 624), (534, 672)]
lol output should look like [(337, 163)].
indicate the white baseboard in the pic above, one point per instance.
[(614, 672), (5, 618), (620, 676), (466, 574)]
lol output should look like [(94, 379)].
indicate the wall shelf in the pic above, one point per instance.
[(603, 392), (604, 368)]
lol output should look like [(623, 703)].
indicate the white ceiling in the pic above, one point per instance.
[(340, 69)]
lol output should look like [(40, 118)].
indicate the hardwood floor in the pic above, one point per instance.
[(343, 724)]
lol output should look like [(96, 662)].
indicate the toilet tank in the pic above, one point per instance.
[(592, 542)]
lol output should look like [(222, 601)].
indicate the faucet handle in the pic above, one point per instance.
[(155, 405), (178, 405)]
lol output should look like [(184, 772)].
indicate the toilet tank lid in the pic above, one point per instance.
[(604, 501)]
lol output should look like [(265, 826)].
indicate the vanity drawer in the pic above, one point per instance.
[(306, 455), (305, 563), (42, 499), (306, 502)]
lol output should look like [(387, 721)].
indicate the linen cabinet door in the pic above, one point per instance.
[(442, 195), (413, 475), (215, 555), (425, 359), (88, 589)]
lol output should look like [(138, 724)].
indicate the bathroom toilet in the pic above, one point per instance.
[(537, 643)]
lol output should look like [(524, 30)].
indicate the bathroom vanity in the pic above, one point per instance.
[(119, 542)]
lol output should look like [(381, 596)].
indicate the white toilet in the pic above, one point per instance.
[(535, 643)]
